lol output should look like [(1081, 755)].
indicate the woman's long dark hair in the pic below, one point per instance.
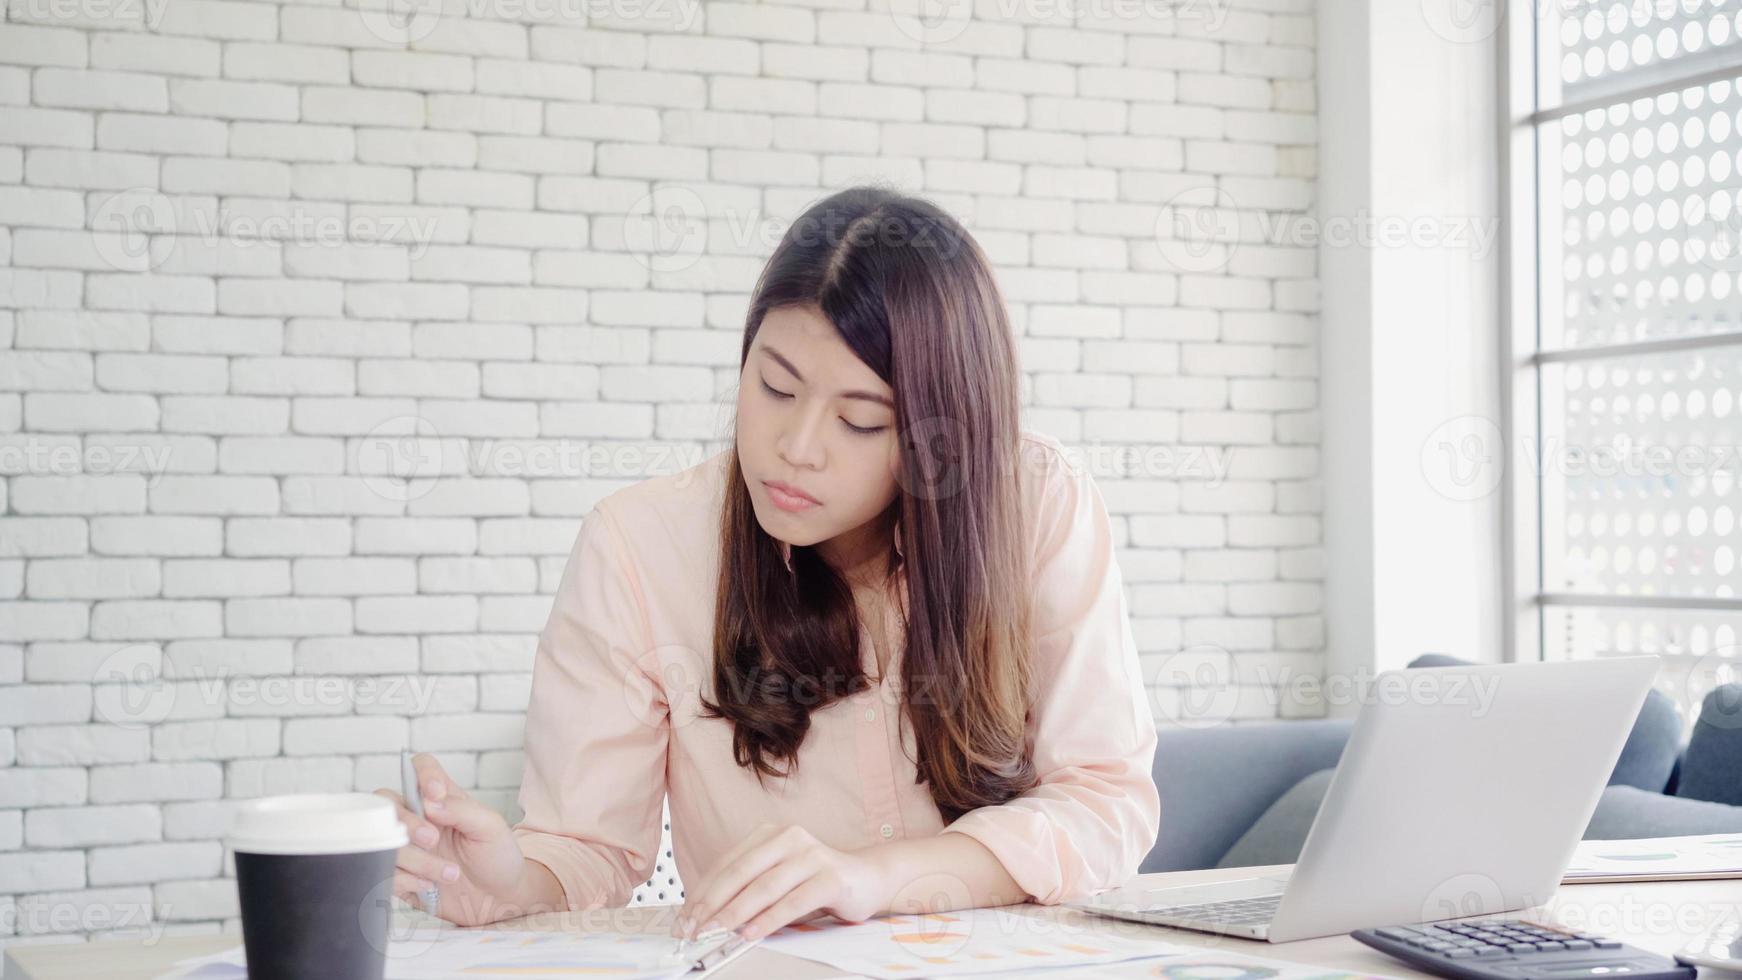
[(911, 295)]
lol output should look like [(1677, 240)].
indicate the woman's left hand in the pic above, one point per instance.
[(779, 875)]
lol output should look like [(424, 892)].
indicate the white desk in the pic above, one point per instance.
[(1659, 916)]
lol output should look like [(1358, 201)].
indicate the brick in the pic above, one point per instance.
[(76, 827), (161, 536), (156, 781), (225, 99), (251, 61), (92, 578), (93, 89)]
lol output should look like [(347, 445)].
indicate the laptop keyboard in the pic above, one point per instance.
[(1241, 911)]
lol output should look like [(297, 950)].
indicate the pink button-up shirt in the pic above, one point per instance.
[(613, 727)]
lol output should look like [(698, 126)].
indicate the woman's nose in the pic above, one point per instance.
[(802, 443)]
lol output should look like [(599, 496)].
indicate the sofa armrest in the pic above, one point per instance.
[(1216, 782)]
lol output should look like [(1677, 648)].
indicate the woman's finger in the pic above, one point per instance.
[(768, 888), (432, 780), (428, 865), (725, 881), (792, 906), (407, 886), (731, 878), (422, 832), (696, 906), (465, 814)]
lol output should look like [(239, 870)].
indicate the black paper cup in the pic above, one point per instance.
[(314, 874)]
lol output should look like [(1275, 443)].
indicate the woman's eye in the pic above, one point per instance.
[(772, 391), (863, 430)]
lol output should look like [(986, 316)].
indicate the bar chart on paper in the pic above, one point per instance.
[(487, 953), (962, 943), (442, 953), (1657, 858), (1199, 965)]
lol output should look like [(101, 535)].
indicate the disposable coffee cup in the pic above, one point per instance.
[(314, 873)]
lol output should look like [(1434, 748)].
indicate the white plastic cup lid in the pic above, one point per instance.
[(317, 823)]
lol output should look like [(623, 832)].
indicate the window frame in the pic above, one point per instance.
[(1526, 603)]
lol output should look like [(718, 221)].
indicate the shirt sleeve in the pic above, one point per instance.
[(1095, 813), (597, 726)]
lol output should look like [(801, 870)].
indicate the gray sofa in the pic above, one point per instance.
[(1244, 795)]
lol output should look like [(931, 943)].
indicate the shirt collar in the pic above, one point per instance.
[(786, 549)]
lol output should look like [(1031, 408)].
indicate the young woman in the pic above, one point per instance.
[(877, 655)]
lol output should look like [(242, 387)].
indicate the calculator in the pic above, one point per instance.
[(1517, 949)]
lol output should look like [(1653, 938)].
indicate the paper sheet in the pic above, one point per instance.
[(1200, 965), (971, 941), (1711, 855), (431, 952)]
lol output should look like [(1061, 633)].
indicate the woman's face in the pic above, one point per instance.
[(813, 416)]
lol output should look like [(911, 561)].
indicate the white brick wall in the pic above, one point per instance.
[(260, 261)]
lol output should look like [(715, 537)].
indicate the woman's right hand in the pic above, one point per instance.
[(461, 847)]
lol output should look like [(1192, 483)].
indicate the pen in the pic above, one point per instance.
[(414, 802)]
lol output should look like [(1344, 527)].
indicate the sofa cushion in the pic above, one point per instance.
[(1214, 782), (1622, 812), (1277, 836), (1712, 765), (1626, 812)]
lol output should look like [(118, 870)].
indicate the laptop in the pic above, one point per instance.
[(1462, 791)]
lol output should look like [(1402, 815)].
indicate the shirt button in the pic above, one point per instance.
[(887, 831), (870, 714)]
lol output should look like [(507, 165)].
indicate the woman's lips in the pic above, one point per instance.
[(788, 499)]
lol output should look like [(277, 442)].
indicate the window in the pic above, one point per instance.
[(1623, 175)]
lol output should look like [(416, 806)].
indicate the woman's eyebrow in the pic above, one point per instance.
[(870, 396)]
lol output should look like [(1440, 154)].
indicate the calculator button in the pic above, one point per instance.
[(1488, 951), (1551, 945), (1606, 943), (1522, 948), (1393, 933), (1459, 952), (1577, 944)]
